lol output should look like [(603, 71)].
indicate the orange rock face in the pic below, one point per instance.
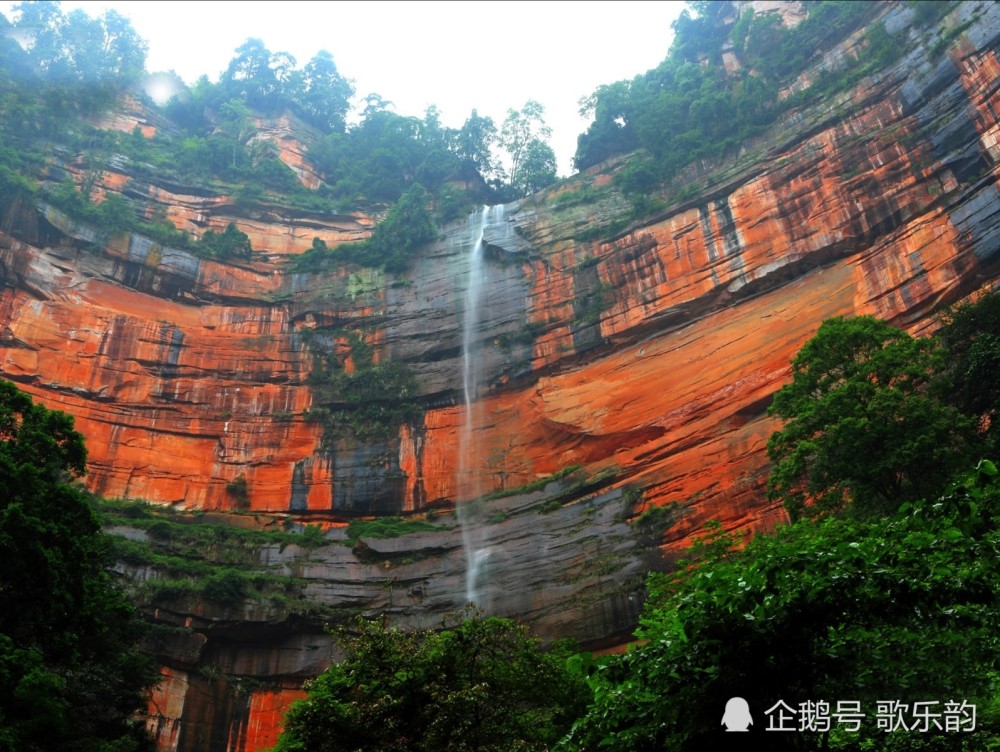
[(646, 355), (254, 725), (291, 145)]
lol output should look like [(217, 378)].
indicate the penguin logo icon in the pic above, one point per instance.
[(737, 715)]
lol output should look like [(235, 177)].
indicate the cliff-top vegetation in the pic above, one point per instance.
[(59, 72), (68, 69)]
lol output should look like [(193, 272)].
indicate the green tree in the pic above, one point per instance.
[(900, 608), (321, 94), (971, 338), (43, 22), (524, 136), (689, 107), (71, 676), (537, 169), (79, 48), (611, 131), (106, 48), (862, 427), (484, 685), (407, 226), (253, 76), (237, 125), (378, 159), (474, 144), (232, 242)]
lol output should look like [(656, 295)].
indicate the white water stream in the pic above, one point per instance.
[(469, 481)]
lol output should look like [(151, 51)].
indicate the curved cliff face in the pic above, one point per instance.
[(646, 354)]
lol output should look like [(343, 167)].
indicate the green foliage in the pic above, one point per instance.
[(452, 203), (474, 145), (369, 404), (861, 606), (13, 184), (862, 427), (524, 135), (944, 41), (371, 401), (882, 48), (535, 485), (313, 536), (386, 527), (483, 685), (71, 677), (75, 201), (407, 226), (80, 49), (239, 489), (927, 12), (968, 380), (163, 232), (190, 536), (656, 520), (77, 66), (584, 195), (843, 608), (638, 177), (114, 215), (321, 95), (592, 301), (684, 110), (191, 557), (227, 244), (384, 156)]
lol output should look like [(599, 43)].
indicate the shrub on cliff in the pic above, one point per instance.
[(484, 685), (227, 244), (71, 678), (406, 227)]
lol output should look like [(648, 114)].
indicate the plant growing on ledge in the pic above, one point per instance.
[(227, 244), (408, 225), (371, 402), (239, 489)]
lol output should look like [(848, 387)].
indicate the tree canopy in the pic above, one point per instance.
[(690, 107), (380, 155), (367, 158), (484, 685), (862, 426), (71, 676), (78, 48), (876, 607), (968, 379), (524, 135), (843, 613)]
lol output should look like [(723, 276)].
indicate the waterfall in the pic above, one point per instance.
[(469, 485)]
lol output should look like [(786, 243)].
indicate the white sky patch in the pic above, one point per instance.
[(488, 55)]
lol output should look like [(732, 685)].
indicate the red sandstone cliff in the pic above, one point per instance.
[(646, 355)]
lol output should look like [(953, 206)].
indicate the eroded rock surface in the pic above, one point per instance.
[(645, 353)]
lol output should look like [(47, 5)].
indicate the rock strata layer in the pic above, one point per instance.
[(644, 354)]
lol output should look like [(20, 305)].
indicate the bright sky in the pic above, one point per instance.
[(491, 55)]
